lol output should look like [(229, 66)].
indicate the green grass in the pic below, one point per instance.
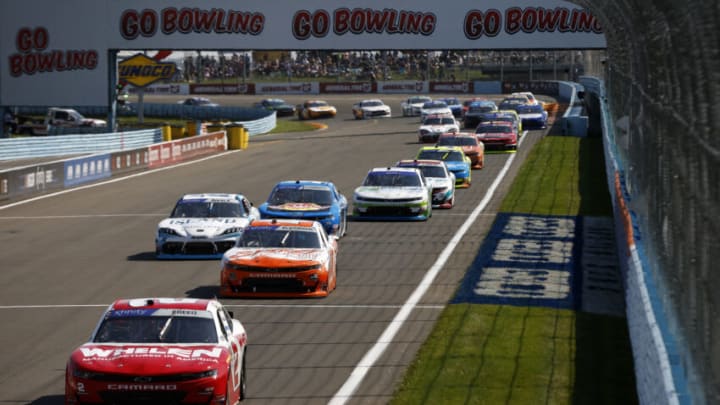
[(501, 354)]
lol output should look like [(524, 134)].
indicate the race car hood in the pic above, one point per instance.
[(531, 115), (375, 108), (437, 128), (493, 135), (390, 193), (325, 108), (276, 257), (456, 166), (143, 359), (206, 227), (432, 111), (298, 207)]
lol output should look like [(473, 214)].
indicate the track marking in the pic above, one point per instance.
[(373, 355), (160, 169)]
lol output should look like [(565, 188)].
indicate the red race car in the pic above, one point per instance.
[(158, 351)]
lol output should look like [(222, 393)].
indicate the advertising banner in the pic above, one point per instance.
[(31, 180), (60, 53), (128, 161), (349, 87), (287, 88), (219, 88), (168, 153), (549, 88), (86, 169), (451, 87), (403, 87)]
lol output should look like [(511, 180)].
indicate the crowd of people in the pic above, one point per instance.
[(359, 65)]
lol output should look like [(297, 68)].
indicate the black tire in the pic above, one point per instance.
[(243, 380)]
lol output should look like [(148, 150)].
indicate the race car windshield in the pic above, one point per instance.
[(531, 108), (481, 109), (392, 180), (372, 104), (448, 156), (434, 104), (279, 238), (495, 129), (418, 100), (157, 329), (457, 141), (432, 171), (318, 104), (205, 209), (286, 195)]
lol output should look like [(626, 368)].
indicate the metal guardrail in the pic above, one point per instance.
[(166, 110), (63, 145)]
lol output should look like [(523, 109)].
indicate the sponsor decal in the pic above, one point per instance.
[(140, 70), (34, 57), (142, 387), (298, 207), (98, 353), (272, 275)]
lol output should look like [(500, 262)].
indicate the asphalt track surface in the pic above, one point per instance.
[(64, 258)]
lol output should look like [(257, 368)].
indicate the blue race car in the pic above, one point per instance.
[(455, 159), (455, 106), (532, 115), (308, 199)]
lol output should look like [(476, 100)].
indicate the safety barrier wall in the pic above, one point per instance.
[(228, 113), (659, 372), (64, 145), (63, 174)]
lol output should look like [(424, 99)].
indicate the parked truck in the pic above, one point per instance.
[(57, 117)]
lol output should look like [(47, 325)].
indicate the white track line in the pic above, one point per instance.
[(70, 190), (373, 355)]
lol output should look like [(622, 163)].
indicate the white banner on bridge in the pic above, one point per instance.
[(56, 52)]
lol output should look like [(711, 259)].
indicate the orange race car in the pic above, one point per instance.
[(280, 258), (473, 148)]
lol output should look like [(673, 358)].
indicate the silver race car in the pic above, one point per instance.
[(203, 226)]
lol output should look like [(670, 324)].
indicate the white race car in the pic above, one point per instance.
[(435, 125), (440, 179), (434, 108), (412, 105), (393, 193), (203, 226), (371, 108)]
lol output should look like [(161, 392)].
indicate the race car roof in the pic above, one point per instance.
[(163, 303), (281, 222), (419, 162), (302, 183), (212, 197)]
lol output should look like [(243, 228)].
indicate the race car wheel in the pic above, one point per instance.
[(243, 381), (343, 224)]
